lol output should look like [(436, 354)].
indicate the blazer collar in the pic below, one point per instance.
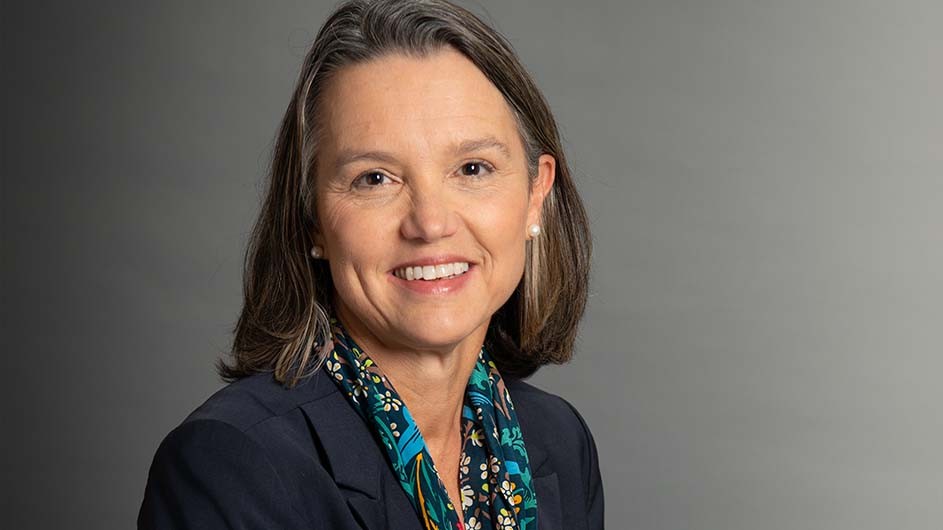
[(348, 446)]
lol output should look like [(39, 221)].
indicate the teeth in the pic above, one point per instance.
[(432, 272)]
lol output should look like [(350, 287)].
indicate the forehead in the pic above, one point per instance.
[(400, 101)]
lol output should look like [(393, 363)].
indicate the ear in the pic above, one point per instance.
[(546, 171)]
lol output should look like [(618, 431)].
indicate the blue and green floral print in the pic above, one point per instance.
[(494, 474)]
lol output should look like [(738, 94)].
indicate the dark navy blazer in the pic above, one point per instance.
[(258, 455)]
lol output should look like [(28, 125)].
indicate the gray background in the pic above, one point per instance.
[(765, 179)]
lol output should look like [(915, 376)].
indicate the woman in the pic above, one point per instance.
[(420, 250)]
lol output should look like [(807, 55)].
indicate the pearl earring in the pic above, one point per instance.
[(534, 230), (316, 252)]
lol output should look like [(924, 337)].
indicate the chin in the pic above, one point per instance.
[(437, 331)]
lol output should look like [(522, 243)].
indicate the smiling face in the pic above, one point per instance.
[(421, 170)]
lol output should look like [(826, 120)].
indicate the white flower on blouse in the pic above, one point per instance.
[(476, 437), (335, 368), (390, 402), (506, 521), (507, 489), (468, 496)]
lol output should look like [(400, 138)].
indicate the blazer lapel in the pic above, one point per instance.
[(546, 483), (348, 445), (536, 455), (547, 489), (349, 451)]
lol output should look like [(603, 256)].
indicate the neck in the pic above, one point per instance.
[(430, 381)]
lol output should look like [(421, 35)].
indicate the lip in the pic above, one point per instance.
[(441, 286), (434, 260)]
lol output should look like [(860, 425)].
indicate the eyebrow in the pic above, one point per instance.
[(348, 156)]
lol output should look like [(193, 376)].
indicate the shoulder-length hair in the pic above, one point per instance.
[(284, 325)]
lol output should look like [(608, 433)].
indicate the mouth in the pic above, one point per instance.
[(428, 273)]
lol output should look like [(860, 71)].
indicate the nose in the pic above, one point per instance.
[(431, 214)]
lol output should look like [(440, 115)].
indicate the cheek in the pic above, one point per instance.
[(501, 226), (343, 228)]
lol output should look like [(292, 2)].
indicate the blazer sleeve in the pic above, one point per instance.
[(595, 504), (210, 475)]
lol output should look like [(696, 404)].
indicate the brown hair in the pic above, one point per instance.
[(284, 322)]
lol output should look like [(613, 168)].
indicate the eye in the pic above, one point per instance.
[(476, 168), (372, 179)]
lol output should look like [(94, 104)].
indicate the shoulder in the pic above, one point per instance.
[(249, 402), (545, 412), (236, 456), (254, 413)]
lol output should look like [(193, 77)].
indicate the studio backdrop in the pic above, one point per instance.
[(762, 346)]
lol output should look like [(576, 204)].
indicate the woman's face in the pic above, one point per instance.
[(421, 165)]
